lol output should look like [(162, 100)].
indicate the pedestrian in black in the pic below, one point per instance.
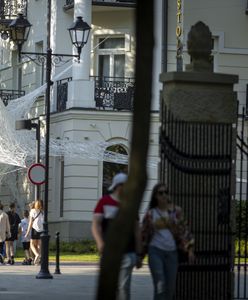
[(14, 221)]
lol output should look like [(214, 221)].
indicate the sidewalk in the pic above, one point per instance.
[(77, 281)]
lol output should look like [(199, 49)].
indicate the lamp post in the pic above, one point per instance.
[(19, 31), (28, 124), (79, 33)]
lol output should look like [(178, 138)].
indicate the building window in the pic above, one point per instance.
[(111, 57), (110, 169), (112, 43), (215, 52), (39, 72)]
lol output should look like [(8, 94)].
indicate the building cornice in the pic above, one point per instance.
[(101, 115)]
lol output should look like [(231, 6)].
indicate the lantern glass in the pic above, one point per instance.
[(20, 28), (79, 33)]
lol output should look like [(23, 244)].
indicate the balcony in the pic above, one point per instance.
[(119, 3), (62, 93), (111, 93), (9, 9), (8, 95)]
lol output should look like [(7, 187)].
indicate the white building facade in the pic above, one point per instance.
[(92, 101)]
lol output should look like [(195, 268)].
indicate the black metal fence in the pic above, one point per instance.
[(62, 93), (115, 93), (241, 205), (125, 3), (196, 163), (9, 9), (8, 95), (111, 93), (115, 2)]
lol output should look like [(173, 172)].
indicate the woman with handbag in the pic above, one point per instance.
[(35, 225), (164, 232)]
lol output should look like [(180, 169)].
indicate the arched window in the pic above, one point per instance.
[(110, 169)]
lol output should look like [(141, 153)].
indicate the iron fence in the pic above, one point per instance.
[(8, 95), (114, 93), (196, 163), (111, 93), (9, 9), (125, 3), (241, 206), (62, 93)]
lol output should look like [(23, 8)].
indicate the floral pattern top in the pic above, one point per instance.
[(176, 223)]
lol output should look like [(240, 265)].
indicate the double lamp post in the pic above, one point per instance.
[(79, 33)]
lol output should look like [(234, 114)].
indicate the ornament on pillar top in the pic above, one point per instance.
[(200, 45)]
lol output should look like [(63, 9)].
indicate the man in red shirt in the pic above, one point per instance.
[(105, 211)]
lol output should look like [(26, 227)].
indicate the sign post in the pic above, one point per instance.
[(36, 173)]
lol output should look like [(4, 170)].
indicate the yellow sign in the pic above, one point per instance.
[(179, 34), (179, 18)]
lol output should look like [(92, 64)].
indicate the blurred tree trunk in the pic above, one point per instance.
[(122, 227)]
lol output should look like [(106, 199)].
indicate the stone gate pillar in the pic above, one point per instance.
[(198, 138)]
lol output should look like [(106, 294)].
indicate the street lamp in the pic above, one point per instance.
[(19, 30), (79, 33)]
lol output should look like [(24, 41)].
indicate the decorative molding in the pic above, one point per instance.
[(96, 115), (222, 49)]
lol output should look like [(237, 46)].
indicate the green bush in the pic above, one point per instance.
[(241, 248), (242, 219), (78, 247)]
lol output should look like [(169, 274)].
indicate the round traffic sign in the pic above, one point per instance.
[(36, 173)]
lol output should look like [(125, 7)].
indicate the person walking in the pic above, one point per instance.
[(23, 228), (105, 211), (4, 231), (164, 233), (14, 221), (35, 225)]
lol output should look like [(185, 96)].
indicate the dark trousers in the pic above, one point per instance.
[(1, 247)]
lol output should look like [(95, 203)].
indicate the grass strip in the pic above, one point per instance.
[(64, 256)]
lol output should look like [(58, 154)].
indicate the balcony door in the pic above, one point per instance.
[(111, 57)]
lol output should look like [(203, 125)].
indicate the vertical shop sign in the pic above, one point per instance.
[(179, 35)]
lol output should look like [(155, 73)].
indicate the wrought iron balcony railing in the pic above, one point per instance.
[(9, 9), (114, 2), (8, 95), (111, 93), (124, 3), (62, 93)]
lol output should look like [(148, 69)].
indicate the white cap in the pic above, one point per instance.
[(119, 178)]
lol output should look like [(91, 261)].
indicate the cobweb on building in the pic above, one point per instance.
[(17, 148)]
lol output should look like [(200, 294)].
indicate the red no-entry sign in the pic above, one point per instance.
[(36, 173)]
